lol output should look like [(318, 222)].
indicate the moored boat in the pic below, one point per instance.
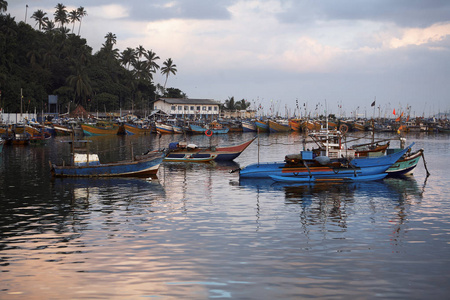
[(406, 164), (306, 167), (93, 130), (84, 164), (132, 129), (201, 130), (182, 150), (248, 126), (279, 126), (262, 126), (164, 128)]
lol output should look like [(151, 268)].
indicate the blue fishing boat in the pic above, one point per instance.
[(85, 164), (90, 166), (307, 167), (199, 129)]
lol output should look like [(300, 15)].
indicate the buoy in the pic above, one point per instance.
[(208, 132)]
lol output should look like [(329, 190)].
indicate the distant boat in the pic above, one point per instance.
[(183, 151), (248, 126), (296, 124), (262, 126), (202, 130), (88, 165), (132, 129), (164, 128), (279, 126), (93, 130), (62, 130)]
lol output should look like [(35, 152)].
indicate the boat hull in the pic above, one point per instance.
[(139, 168), (131, 129), (89, 130), (216, 153), (277, 127), (336, 170), (199, 130), (405, 165), (262, 126)]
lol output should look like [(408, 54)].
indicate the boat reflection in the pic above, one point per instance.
[(331, 204), (85, 191)]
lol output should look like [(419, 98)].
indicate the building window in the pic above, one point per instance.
[(204, 107), (215, 108), (198, 108), (209, 108), (173, 107), (192, 108), (180, 107), (186, 107)]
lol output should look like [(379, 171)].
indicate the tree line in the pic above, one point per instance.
[(53, 60)]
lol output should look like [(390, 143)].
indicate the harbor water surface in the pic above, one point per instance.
[(198, 232)]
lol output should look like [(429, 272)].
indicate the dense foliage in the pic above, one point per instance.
[(53, 60)]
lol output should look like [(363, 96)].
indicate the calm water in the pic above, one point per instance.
[(197, 232)]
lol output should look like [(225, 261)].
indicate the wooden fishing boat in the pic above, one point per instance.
[(406, 164), (307, 167), (279, 126), (262, 126), (370, 149), (132, 129), (296, 124), (62, 130), (164, 128), (88, 165), (248, 126), (182, 150), (311, 126), (93, 130), (202, 130)]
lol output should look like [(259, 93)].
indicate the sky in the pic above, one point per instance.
[(325, 55)]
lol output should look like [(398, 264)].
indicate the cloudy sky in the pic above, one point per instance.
[(274, 53)]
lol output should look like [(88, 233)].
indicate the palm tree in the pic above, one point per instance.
[(242, 105), (230, 104), (151, 60), (142, 71), (140, 51), (73, 17), (169, 67), (40, 18), (81, 13), (128, 57), (80, 83), (3, 6), (111, 39), (60, 14), (49, 25)]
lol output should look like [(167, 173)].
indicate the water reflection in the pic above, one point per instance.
[(85, 191)]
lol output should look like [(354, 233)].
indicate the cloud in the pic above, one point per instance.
[(111, 11), (419, 36)]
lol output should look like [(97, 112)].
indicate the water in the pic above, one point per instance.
[(197, 232)]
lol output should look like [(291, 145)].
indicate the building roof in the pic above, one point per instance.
[(186, 101)]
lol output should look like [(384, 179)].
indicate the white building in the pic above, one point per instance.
[(188, 108)]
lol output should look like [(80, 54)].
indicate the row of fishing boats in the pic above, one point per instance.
[(330, 160)]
